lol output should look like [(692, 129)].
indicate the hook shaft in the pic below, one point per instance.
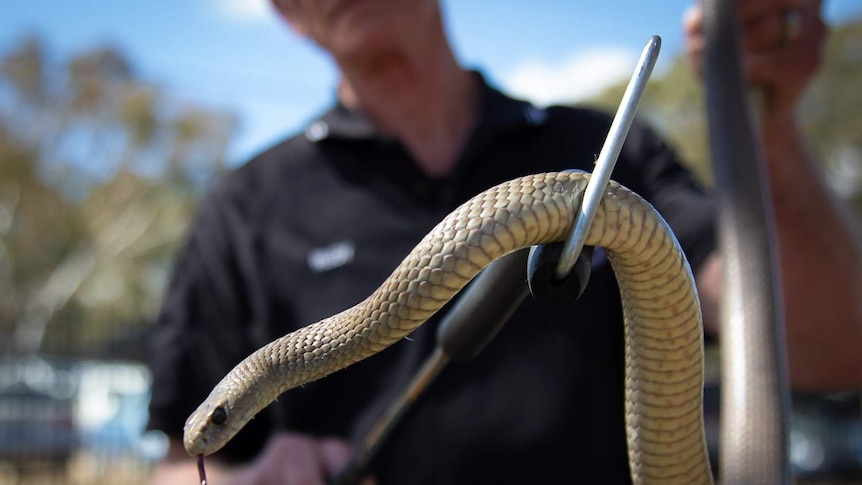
[(608, 157)]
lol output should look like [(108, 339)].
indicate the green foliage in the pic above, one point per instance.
[(833, 104), (831, 112), (99, 175), (23, 69), (673, 104)]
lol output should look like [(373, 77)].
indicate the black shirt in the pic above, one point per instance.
[(313, 225)]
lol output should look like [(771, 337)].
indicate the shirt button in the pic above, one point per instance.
[(535, 116), (317, 131)]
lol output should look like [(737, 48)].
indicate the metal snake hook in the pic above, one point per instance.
[(608, 157), (472, 323)]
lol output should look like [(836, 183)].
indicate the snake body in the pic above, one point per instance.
[(755, 392), (663, 331)]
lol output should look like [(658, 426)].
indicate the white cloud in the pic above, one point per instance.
[(244, 10), (573, 78)]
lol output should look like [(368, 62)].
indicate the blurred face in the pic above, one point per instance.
[(359, 27)]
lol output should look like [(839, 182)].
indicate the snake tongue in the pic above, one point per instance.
[(201, 471)]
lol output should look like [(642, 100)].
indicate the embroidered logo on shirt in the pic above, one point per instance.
[(331, 256)]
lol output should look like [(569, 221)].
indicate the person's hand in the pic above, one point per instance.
[(295, 459), (782, 43)]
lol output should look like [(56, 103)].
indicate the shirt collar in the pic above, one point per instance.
[(499, 113)]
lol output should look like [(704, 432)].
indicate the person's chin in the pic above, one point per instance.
[(370, 44)]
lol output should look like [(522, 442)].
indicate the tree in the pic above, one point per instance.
[(100, 171), (831, 112)]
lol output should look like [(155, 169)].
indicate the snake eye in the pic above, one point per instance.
[(219, 416)]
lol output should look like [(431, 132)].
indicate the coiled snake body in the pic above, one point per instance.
[(663, 332)]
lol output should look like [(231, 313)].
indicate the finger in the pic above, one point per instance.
[(783, 28), (763, 33), (795, 61), (334, 454), (694, 52), (785, 67), (293, 460), (747, 11), (692, 20), (751, 10), (760, 39)]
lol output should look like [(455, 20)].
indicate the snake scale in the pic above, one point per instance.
[(663, 328), (755, 391)]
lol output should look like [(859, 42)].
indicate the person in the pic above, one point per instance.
[(314, 224)]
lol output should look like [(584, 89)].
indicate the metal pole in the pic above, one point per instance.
[(608, 156)]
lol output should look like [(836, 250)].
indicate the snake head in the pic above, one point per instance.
[(214, 422)]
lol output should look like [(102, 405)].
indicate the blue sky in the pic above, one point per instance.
[(236, 55)]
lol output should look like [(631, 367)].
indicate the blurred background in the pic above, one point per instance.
[(115, 117)]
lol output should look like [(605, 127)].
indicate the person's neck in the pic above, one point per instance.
[(425, 99)]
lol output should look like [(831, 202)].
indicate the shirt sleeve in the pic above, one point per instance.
[(201, 331)]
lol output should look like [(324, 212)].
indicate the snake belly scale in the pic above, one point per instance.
[(663, 329)]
